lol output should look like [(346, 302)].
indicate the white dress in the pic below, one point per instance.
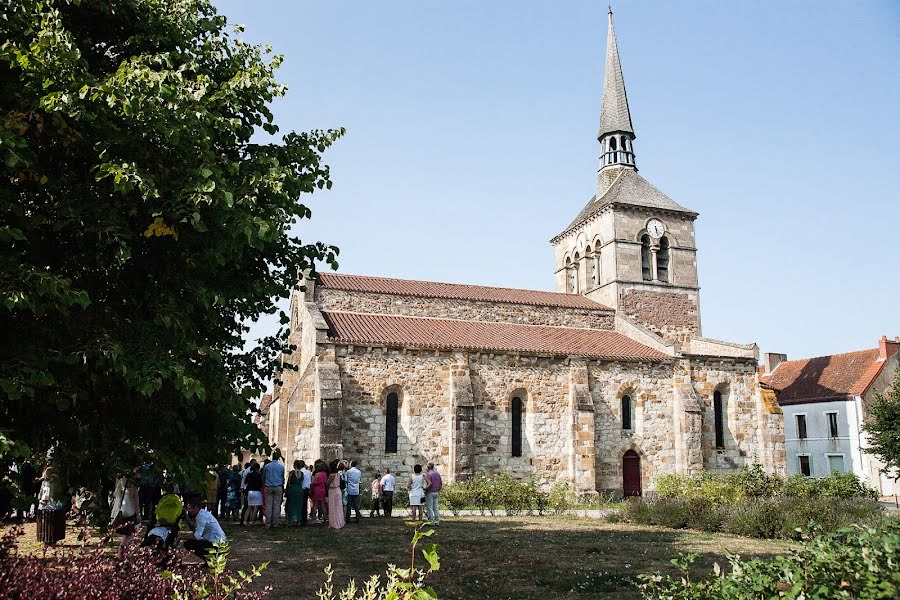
[(417, 490)]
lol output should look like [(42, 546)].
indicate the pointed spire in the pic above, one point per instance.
[(614, 113)]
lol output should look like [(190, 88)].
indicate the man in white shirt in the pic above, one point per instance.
[(387, 492), (307, 482), (207, 530), (353, 478)]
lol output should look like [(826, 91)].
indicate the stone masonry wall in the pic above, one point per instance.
[(431, 384), (737, 380), (652, 433), (670, 315), (332, 299)]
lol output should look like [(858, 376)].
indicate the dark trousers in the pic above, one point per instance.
[(387, 498), (148, 496), (198, 547), (304, 506), (376, 507), (352, 503)]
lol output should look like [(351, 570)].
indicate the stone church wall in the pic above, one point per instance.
[(737, 381), (342, 300), (421, 381), (668, 314), (652, 433)]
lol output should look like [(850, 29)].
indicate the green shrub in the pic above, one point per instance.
[(859, 562), (757, 518), (673, 486), (455, 496), (845, 485), (482, 493), (561, 498), (798, 486), (700, 513), (638, 511), (513, 495), (668, 512)]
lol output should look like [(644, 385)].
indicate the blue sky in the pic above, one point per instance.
[(471, 141)]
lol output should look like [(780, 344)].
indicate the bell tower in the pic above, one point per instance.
[(631, 247)]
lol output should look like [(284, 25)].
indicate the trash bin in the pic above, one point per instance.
[(51, 525)]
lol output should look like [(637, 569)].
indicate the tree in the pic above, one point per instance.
[(142, 225), (883, 427)]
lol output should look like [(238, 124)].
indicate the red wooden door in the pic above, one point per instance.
[(631, 474)]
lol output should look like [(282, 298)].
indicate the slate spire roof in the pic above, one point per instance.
[(628, 189), (614, 113)]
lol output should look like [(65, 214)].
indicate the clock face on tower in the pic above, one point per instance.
[(656, 228)]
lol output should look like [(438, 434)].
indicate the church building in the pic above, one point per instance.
[(605, 383)]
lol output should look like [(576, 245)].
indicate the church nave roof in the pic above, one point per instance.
[(481, 336), (455, 291)]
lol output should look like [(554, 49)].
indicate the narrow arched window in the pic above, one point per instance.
[(392, 407), (719, 415), (626, 412), (570, 287), (576, 280), (590, 275), (645, 258), (662, 260), (517, 411)]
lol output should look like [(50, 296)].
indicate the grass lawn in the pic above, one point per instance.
[(481, 557)]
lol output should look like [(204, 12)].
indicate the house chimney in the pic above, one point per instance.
[(887, 348), (772, 360)]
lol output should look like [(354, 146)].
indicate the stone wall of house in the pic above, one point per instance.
[(342, 300), (671, 315)]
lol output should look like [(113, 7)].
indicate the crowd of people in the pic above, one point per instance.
[(144, 503), (320, 493)]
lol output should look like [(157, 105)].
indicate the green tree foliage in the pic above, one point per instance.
[(859, 562), (883, 426), (145, 219)]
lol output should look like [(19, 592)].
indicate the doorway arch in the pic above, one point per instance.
[(631, 474)]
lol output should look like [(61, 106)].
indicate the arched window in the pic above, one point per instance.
[(645, 257), (719, 415), (590, 274), (626, 412), (662, 260), (517, 411), (570, 277), (573, 273), (392, 408)]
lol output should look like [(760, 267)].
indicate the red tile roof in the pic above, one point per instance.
[(265, 403), (455, 291), (834, 376), (452, 334)]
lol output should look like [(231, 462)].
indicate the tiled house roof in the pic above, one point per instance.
[(455, 291), (451, 334), (824, 377)]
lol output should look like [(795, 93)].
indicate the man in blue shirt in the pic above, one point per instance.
[(353, 478), (273, 479)]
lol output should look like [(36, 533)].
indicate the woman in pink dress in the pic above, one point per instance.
[(335, 503), (319, 491)]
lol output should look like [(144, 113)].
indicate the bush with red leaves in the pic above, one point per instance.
[(90, 573)]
